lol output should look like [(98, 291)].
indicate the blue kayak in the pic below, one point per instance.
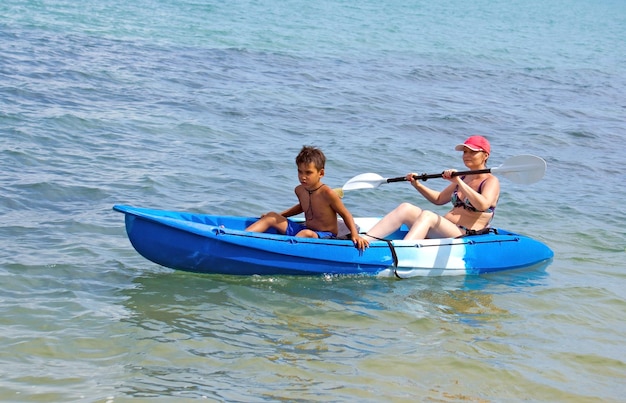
[(205, 243)]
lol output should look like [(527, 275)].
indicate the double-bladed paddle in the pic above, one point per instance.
[(339, 192), (522, 169)]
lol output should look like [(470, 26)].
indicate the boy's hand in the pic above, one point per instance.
[(360, 243)]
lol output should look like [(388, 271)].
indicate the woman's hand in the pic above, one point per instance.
[(448, 174), (411, 178)]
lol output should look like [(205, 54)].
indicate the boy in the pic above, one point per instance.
[(319, 203)]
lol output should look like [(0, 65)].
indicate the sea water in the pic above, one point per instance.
[(202, 106)]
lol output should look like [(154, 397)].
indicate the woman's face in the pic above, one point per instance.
[(474, 158)]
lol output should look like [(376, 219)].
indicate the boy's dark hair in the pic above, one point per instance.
[(312, 154)]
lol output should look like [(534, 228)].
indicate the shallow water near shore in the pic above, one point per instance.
[(202, 107)]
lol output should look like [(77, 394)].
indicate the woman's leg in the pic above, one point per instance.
[(269, 220), (432, 225), (405, 213)]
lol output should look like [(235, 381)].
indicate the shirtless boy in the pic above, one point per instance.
[(319, 203)]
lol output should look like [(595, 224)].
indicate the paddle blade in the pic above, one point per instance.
[(522, 169), (339, 192), (364, 181)]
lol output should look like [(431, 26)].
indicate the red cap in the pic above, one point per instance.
[(475, 143)]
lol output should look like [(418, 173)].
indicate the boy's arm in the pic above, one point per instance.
[(340, 208), (295, 210)]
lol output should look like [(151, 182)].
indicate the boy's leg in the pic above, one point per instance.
[(269, 220)]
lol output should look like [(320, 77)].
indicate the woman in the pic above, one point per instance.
[(473, 197)]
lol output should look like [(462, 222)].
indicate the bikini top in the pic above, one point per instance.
[(466, 204)]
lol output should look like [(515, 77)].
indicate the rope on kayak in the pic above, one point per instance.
[(393, 253), (474, 232)]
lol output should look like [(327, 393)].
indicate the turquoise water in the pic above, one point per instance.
[(202, 106)]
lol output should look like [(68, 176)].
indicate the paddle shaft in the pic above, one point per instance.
[(522, 169), (424, 177)]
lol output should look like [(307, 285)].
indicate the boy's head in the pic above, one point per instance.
[(310, 154)]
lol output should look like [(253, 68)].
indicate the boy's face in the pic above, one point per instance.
[(309, 176)]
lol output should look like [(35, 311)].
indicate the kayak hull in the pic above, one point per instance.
[(205, 243)]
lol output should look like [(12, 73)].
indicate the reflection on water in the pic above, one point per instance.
[(211, 332)]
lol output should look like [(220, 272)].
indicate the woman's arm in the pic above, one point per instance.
[(490, 192), (431, 195)]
